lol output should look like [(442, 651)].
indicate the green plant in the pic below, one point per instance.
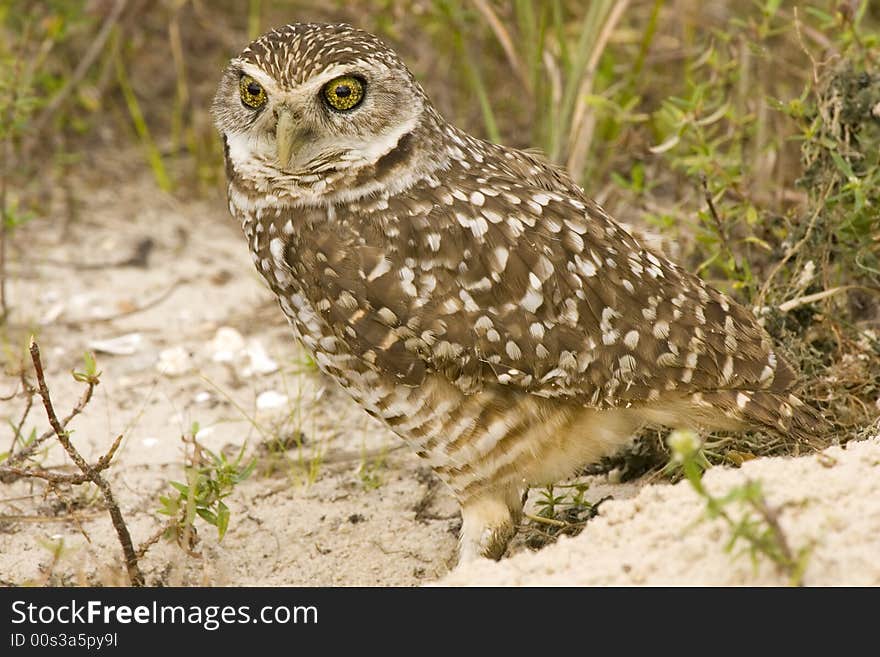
[(371, 467), (758, 525), (151, 150), (560, 513), (210, 478), (554, 66)]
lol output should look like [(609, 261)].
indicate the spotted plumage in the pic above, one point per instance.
[(468, 294)]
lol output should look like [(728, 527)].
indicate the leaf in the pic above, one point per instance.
[(666, 145), (842, 165), (170, 507), (91, 366), (247, 470), (207, 515), (90, 371), (751, 239), (222, 520), (738, 458), (183, 489), (717, 115)]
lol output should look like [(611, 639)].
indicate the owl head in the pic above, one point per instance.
[(306, 101)]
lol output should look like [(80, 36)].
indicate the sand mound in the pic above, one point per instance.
[(831, 501)]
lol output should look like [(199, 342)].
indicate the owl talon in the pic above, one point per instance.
[(488, 524)]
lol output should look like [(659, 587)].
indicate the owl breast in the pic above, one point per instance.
[(292, 248), (289, 246)]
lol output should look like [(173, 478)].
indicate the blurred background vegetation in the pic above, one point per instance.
[(747, 133)]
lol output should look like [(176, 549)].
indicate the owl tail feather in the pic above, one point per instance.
[(781, 412)]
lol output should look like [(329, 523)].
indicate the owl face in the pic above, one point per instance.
[(307, 100)]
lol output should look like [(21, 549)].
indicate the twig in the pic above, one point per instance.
[(27, 409), (771, 517), (48, 475), (152, 540), (11, 395), (820, 203), (135, 575), (59, 478), (80, 405), (810, 298), (719, 226), (407, 553), (546, 521), (29, 392), (800, 36), (132, 311), (139, 257), (24, 518)]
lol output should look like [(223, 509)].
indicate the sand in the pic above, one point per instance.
[(829, 503)]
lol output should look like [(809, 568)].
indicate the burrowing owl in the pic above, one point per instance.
[(470, 295)]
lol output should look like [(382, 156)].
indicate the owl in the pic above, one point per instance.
[(470, 295)]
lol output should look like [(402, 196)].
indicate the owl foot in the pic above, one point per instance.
[(488, 524)]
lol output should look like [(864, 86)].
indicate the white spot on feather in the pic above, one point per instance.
[(727, 371), (501, 254), (631, 339), (276, 248), (532, 300), (627, 364), (382, 267), (541, 199)]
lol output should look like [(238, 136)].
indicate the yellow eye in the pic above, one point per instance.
[(344, 93), (252, 93)]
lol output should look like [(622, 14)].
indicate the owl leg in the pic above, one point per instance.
[(488, 523)]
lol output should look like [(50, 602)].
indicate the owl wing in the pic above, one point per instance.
[(494, 281)]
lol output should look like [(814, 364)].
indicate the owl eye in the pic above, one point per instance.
[(344, 93), (252, 93)]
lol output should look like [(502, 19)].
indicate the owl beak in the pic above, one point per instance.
[(287, 136)]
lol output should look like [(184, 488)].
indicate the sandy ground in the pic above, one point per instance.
[(194, 336), (828, 503)]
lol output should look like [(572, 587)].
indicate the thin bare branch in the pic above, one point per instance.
[(93, 474), (820, 204), (155, 537), (812, 298), (132, 311), (80, 406), (719, 225)]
